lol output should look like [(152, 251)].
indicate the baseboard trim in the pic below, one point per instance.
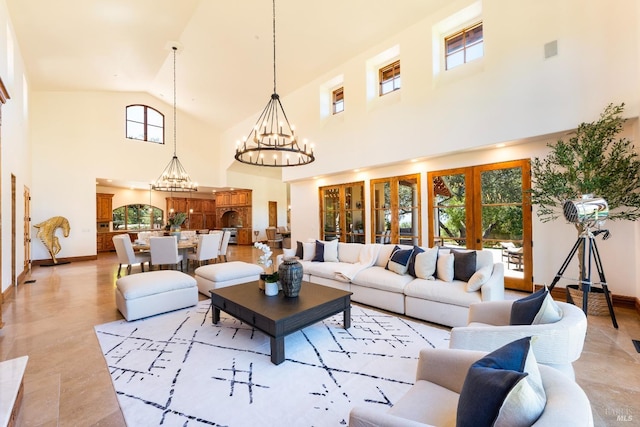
[(65, 260), (622, 301)]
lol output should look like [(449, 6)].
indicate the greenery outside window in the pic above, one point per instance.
[(338, 100), (395, 210), (464, 46), (137, 217), (145, 124), (390, 78)]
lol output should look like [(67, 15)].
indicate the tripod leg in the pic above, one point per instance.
[(603, 282), (586, 276), (566, 262)]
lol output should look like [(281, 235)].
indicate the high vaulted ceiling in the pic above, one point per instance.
[(225, 64)]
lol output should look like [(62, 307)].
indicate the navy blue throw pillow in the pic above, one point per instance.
[(319, 255), (411, 268), (489, 381), (299, 250), (524, 310), (464, 265)]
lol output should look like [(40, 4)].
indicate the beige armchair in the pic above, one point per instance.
[(433, 399), (557, 344)]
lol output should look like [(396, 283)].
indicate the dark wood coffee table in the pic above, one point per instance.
[(278, 316)]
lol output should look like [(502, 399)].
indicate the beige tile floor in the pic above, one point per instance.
[(67, 382)]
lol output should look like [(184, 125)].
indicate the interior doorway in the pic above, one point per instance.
[(484, 207), (273, 214), (13, 231)]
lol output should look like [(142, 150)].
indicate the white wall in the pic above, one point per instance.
[(552, 241), (78, 137), (265, 190), (16, 152)]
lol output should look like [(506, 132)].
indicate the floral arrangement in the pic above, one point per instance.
[(266, 261), (176, 219)]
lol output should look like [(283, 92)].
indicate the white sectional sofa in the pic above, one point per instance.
[(439, 298)]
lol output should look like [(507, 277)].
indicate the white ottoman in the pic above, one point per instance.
[(146, 294), (215, 276)]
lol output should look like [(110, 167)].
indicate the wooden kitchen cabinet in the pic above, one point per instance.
[(245, 236), (104, 209), (233, 198)]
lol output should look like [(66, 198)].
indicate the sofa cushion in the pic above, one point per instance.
[(379, 278), (464, 265), (399, 260), (454, 293), (510, 385), (327, 270), (384, 254), (444, 266), (349, 252), (483, 259), (425, 263)]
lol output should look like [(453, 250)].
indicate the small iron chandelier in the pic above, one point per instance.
[(272, 142), (174, 177)]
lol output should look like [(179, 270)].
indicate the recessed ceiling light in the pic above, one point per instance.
[(502, 144)]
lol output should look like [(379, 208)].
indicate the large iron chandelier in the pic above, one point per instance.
[(272, 142), (174, 177)]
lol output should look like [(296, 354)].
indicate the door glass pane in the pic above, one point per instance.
[(354, 213), (449, 216), (502, 216), (408, 211), (331, 213), (382, 211)]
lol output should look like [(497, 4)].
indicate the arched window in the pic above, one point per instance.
[(137, 217), (145, 123)]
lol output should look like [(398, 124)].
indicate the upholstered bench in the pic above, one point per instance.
[(146, 294), (214, 276)]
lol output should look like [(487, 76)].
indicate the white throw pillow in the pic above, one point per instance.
[(526, 401), (444, 269), (549, 312), (479, 278), (288, 253), (331, 251), (426, 263), (308, 250)]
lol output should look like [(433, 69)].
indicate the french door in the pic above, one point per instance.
[(484, 207), (342, 212)]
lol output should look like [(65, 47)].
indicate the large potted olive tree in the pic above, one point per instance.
[(594, 160)]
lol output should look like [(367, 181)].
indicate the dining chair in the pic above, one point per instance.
[(164, 251), (126, 254), (224, 244), (273, 238), (208, 249)]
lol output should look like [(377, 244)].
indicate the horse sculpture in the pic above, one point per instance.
[(47, 234)]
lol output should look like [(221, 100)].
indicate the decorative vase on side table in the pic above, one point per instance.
[(290, 274)]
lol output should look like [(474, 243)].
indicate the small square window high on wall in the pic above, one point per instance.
[(389, 78), (464, 46), (338, 100)]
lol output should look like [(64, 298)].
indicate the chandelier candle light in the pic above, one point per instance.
[(174, 177), (273, 136)]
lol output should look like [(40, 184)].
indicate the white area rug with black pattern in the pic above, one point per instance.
[(178, 369)]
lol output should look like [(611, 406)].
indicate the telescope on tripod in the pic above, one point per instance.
[(590, 213)]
